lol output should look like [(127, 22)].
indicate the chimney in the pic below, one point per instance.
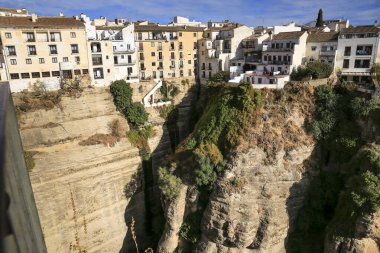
[(34, 17), (270, 35), (61, 14), (375, 23)]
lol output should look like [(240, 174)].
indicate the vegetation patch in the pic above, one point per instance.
[(105, 139), (169, 184), (29, 160), (312, 70)]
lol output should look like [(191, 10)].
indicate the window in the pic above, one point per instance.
[(346, 63), (122, 56), (362, 63), (28, 61), (54, 60), (41, 60), (73, 35), (84, 71), (172, 56), (180, 46), (180, 34), (15, 76), (36, 75), (313, 48), (11, 50), (77, 72), (153, 64), (8, 35), (13, 62), (209, 74), (180, 55), (171, 45), (65, 59), (77, 59), (32, 50), (141, 56), (265, 58), (161, 74), (29, 37), (203, 74), (189, 61), (364, 50), (259, 80), (53, 49), (195, 45), (74, 49), (55, 36), (194, 34), (154, 74), (25, 75), (347, 51), (46, 74), (55, 73), (189, 72), (160, 55), (108, 71), (153, 54)]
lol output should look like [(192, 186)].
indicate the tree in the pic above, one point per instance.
[(319, 19), (136, 114)]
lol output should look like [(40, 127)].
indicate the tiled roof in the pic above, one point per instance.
[(41, 22), (109, 27), (322, 36), (361, 29), (288, 35), (149, 28), (14, 11)]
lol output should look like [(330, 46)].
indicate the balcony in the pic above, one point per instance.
[(226, 51), (75, 52), (12, 54), (172, 66), (30, 40), (180, 48), (364, 52), (269, 49), (181, 66), (160, 48), (125, 51), (53, 52), (97, 61), (172, 49), (141, 49), (160, 67), (125, 63), (327, 53), (279, 62)]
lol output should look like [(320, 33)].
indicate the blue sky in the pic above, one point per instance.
[(249, 12)]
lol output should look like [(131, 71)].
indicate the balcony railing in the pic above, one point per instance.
[(284, 49), (226, 51), (30, 40), (97, 62), (53, 52), (124, 51), (12, 54), (363, 52), (125, 63), (96, 50), (172, 66), (279, 62)]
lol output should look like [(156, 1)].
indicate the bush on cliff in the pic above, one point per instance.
[(136, 114), (312, 70), (169, 184), (122, 94)]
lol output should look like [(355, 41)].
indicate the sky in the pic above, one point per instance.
[(248, 12)]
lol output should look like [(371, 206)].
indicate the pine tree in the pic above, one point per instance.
[(319, 19)]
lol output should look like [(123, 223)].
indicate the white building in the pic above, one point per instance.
[(11, 12), (284, 51), (322, 46), (219, 47), (182, 21), (358, 50), (111, 50)]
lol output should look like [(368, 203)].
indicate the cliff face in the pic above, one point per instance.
[(79, 190), (302, 177), (255, 215)]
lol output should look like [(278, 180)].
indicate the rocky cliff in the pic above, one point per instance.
[(285, 183)]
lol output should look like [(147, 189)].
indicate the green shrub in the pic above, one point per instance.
[(169, 184), (319, 69), (361, 107), (325, 114), (138, 137), (166, 110), (29, 160), (136, 114), (122, 94), (314, 70), (190, 229)]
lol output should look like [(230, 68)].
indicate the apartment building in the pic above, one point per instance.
[(322, 46), (219, 46), (284, 51), (45, 49), (182, 21), (167, 51), (358, 50), (12, 12), (111, 50), (280, 54)]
